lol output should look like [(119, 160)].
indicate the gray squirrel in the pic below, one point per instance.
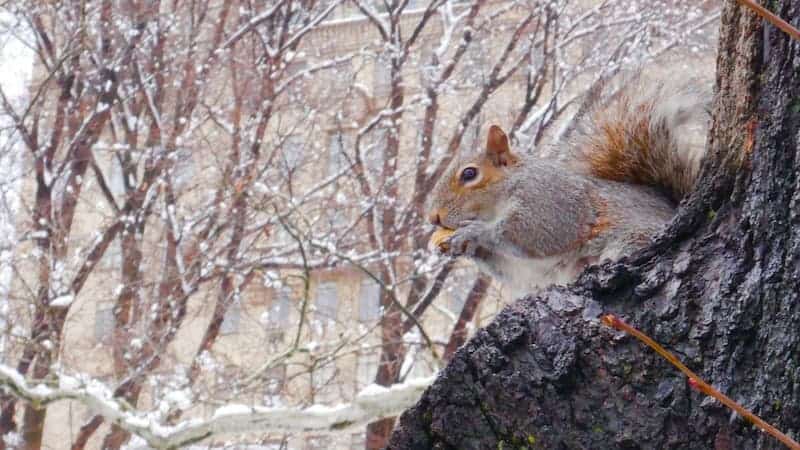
[(532, 221)]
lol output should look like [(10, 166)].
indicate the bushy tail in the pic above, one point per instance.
[(653, 133)]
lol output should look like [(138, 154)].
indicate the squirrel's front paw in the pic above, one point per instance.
[(467, 239)]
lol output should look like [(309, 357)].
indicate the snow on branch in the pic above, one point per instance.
[(372, 403), (375, 18), (251, 24)]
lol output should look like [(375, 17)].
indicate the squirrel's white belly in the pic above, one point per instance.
[(523, 275)]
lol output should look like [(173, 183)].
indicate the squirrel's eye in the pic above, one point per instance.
[(469, 174)]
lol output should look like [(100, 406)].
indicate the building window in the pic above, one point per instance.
[(338, 218), (369, 301), (276, 318), (327, 300), (339, 144), (372, 154), (104, 322), (458, 298), (341, 72), (280, 235), (115, 178), (112, 257), (232, 318), (367, 368), (295, 78), (183, 168), (279, 310), (292, 152), (383, 76)]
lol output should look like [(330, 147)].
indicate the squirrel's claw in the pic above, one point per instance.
[(466, 239)]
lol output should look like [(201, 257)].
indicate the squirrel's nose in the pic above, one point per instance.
[(434, 218)]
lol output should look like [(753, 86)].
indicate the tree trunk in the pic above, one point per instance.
[(719, 288)]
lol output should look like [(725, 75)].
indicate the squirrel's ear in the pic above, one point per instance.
[(497, 148)]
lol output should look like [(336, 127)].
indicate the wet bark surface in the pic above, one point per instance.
[(719, 288)]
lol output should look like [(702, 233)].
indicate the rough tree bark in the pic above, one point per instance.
[(719, 288)]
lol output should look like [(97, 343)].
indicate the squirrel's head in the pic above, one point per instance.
[(472, 185)]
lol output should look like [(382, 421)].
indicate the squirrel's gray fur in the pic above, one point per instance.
[(531, 221)]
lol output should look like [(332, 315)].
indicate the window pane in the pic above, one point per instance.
[(183, 169), (327, 302), (276, 318), (112, 258), (369, 301), (114, 178), (296, 72), (230, 323), (372, 154), (338, 147), (293, 152), (278, 314), (104, 322), (458, 299), (383, 75)]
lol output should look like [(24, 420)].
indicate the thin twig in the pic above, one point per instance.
[(771, 18), (697, 382)]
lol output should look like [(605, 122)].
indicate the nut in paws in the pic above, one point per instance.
[(439, 239)]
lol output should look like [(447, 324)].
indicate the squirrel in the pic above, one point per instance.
[(533, 221)]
